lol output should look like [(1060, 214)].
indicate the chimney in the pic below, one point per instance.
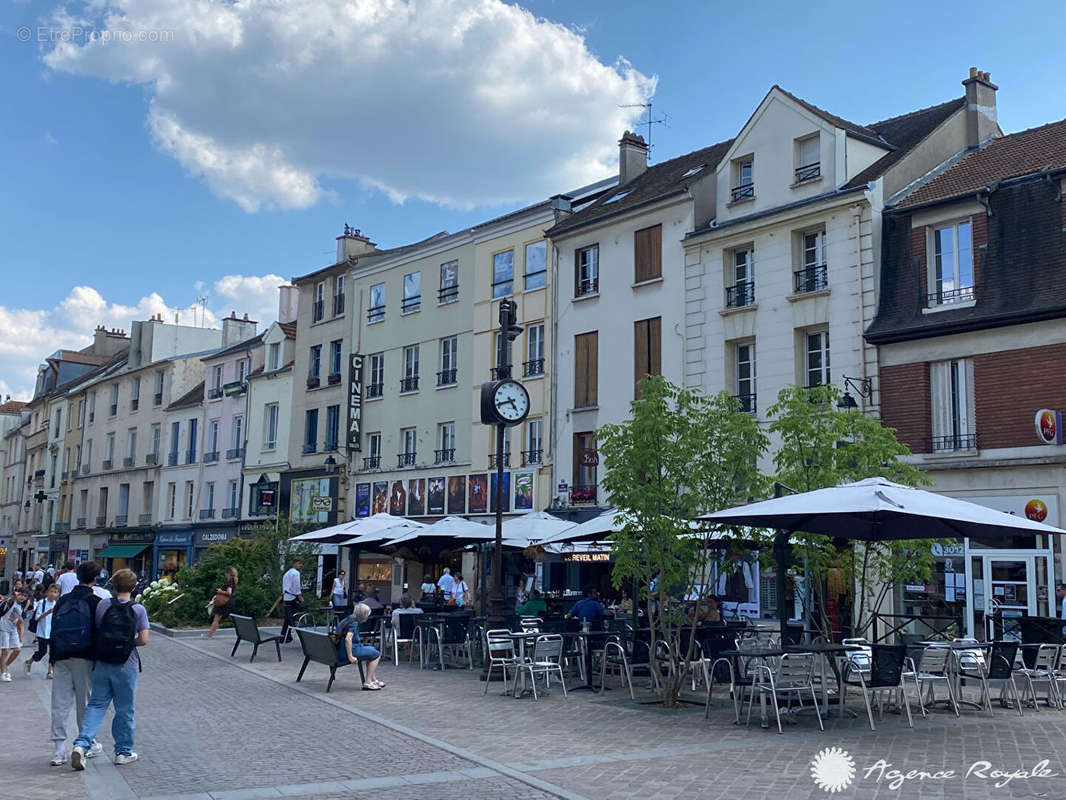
[(288, 295), (562, 207), (980, 108), (236, 330), (632, 157), (352, 244)]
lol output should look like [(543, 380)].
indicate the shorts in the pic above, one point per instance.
[(365, 652), (10, 641)]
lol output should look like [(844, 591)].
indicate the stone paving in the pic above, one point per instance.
[(214, 728)]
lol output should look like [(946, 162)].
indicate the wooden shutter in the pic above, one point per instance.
[(585, 369), (648, 253), (647, 350)]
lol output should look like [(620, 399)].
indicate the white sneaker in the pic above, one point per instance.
[(59, 759), (77, 757), (94, 750), (125, 758), (5, 676)]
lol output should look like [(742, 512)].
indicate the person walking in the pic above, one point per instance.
[(292, 596), (460, 594), (67, 579), (43, 618), (445, 583), (11, 630), (224, 593), (121, 628), (340, 591)]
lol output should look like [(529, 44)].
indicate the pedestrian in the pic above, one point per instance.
[(351, 649), (460, 594), (340, 591), (38, 575), (121, 627), (12, 628), (73, 623), (292, 596), (225, 594), (43, 618), (67, 578), (427, 587), (446, 582)]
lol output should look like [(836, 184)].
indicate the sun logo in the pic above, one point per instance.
[(833, 769)]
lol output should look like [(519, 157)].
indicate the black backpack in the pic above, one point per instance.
[(72, 627), (116, 634)]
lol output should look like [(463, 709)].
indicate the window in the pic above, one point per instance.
[(534, 452), (172, 499), (817, 358), (373, 450), (745, 376), (335, 360), (503, 274), (208, 510), (58, 423), (647, 350), (81, 413), (587, 270), (376, 311), (275, 356), (314, 363), (808, 159), (175, 434), (534, 364), (743, 187), (317, 306), (157, 400), (131, 451), (192, 441), (157, 436), (123, 501), (449, 360), (648, 254), (536, 265), (102, 507), (109, 459), (189, 497), (270, 427), (951, 279), (584, 488), (113, 410), (236, 444), (952, 389), (446, 443), (449, 282), (409, 382), (740, 290), (812, 275), (216, 383), (211, 446), (147, 501), (338, 295), (311, 430), (376, 385), (92, 407), (135, 394), (412, 293), (409, 438), (585, 369), (333, 426), (242, 370), (233, 500)]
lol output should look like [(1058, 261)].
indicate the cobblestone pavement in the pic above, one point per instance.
[(214, 728)]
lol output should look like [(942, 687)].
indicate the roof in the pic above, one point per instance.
[(288, 328), (244, 344), (656, 182), (371, 255), (12, 407), (867, 132), (78, 357), (193, 397), (1025, 153)]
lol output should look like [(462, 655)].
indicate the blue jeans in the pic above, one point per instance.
[(111, 682)]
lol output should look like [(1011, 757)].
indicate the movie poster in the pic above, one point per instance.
[(301, 493), (416, 497), (506, 492), (479, 489), (523, 491), (435, 496), (398, 499), (457, 495), (380, 504), (362, 500)]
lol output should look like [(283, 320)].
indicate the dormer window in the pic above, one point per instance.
[(743, 185), (808, 159), (951, 277)]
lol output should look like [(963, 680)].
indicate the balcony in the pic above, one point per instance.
[(586, 286), (952, 443), (494, 460), (207, 513), (144, 519), (338, 304), (405, 460), (101, 521), (234, 388), (333, 378), (107, 465), (808, 172), (942, 297), (411, 304), (310, 447), (811, 279), (409, 384), (375, 314), (583, 495), (532, 457), (80, 523), (446, 377), (120, 520), (230, 513), (317, 311), (128, 462), (745, 403), (374, 390), (372, 462), (499, 373), (447, 294), (746, 191), (151, 459), (533, 368), (157, 399), (740, 294), (234, 453), (313, 382), (190, 457), (446, 456), (61, 527), (172, 460), (211, 458)]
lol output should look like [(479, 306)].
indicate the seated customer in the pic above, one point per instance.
[(351, 649), (373, 602), (588, 609), (709, 610), (407, 606), (534, 606)]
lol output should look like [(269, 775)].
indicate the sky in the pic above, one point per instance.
[(153, 152)]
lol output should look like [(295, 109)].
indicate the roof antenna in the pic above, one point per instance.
[(648, 120)]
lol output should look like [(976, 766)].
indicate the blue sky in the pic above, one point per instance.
[(111, 182)]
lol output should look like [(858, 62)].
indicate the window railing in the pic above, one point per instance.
[(313, 382), (811, 279), (745, 402), (190, 457), (953, 443), (333, 378), (120, 520), (330, 446), (235, 452), (372, 462), (740, 294), (409, 304), (74, 473), (943, 297), (446, 377), (211, 458), (808, 172), (80, 522), (532, 457), (374, 390), (172, 460), (158, 399), (86, 468), (743, 192), (144, 519), (405, 460), (106, 465), (207, 513), (494, 459), (316, 311), (101, 521), (338, 304), (583, 495), (409, 384), (128, 462), (587, 286), (375, 314), (533, 367), (151, 459), (310, 447), (447, 294), (499, 373), (446, 456), (230, 513)]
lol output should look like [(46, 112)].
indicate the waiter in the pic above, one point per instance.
[(291, 594)]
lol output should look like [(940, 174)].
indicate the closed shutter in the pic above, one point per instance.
[(585, 369), (647, 350), (647, 253)]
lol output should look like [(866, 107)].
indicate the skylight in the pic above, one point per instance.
[(694, 171), (617, 197)]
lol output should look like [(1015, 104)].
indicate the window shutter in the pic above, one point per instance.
[(940, 391), (585, 366), (655, 364), (640, 354), (647, 253)]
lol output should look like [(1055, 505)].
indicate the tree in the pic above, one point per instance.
[(679, 454)]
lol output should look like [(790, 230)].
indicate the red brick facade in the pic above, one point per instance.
[(1010, 387), (904, 391)]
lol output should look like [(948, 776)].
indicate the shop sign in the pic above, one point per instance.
[(321, 503), (173, 539), (208, 538), (1037, 507), (1049, 426), (355, 401), (590, 458), (954, 549), (586, 557), (130, 537), (250, 529)]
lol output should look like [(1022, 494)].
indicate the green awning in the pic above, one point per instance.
[(122, 550)]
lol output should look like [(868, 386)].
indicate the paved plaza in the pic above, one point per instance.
[(214, 728)]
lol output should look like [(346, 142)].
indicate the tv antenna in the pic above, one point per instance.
[(202, 302), (647, 119)]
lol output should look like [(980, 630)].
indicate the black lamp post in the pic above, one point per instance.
[(864, 388)]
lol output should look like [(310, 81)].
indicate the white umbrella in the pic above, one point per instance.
[(378, 527), (336, 533), (448, 528), (533, 527)]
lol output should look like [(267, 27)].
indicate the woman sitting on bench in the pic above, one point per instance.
[(351, 649)]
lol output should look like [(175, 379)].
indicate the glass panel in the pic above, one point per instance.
[(944, 250), (965, 272), (502, 273), (536, 256), (1009, 570)]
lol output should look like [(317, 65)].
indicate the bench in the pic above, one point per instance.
[(248, 631), (318, 647)]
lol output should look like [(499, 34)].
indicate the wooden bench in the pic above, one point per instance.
[(248, 631), (318, 647)]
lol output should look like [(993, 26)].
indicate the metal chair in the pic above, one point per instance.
[(500, 647), (1043, 669), (626, 654), (935, 666), (740, 679), (547, 652), (999, 666), (794, 675), (454, 633), (884, 671)]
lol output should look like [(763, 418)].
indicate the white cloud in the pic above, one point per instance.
[(460, 102), (28, 336)]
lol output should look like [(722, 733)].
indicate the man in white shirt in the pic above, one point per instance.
[(292, 596), (446, 583), (68, 579), (38, 575)]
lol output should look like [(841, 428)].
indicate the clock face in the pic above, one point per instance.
[(511, 401)]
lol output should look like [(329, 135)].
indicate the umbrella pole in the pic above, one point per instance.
[(781, 556)]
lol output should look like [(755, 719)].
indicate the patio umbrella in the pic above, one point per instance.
[(455, 528), (330, 535), (533, 527), (597, 528), (377, 528)]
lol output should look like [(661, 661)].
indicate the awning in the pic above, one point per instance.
[(122, 550)]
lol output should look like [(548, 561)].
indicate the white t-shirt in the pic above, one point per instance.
[(459, 590), (44, 626), (101, 592), (38, 576), (67, 581)]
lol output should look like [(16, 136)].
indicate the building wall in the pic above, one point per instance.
[(264, 388)]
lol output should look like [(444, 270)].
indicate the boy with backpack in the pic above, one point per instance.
[(73, 624), (11, 630), (121, 627)]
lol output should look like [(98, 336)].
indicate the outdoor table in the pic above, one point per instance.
[(422, 622), (824, 651), (956, 647), (587, 638), (761, 654)]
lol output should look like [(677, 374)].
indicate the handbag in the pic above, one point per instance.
[(221, 598)]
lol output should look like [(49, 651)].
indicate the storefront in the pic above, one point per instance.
[(128, 550), (58, 544), (173, 550), (207, 537)]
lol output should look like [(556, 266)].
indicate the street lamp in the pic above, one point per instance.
[(864, 388)]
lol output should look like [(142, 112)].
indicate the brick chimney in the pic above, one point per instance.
[(632, 157), (237, 330), (981, 122), (352, 244)]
